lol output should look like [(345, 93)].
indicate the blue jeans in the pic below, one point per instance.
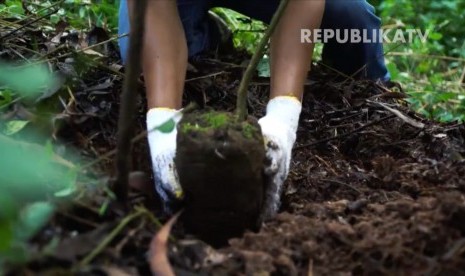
[(365, 58)]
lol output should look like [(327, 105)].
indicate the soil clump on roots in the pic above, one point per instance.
[(220, 167)]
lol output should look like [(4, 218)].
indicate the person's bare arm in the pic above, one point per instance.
[(290, 62), (291, 59), (164, 64), (164, 61)]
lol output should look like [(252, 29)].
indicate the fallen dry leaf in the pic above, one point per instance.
[(159, 263)]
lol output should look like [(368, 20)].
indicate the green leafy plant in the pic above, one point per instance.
[(31, 177), (84, 13), (431, 72), (246, 31), (12, 8), (80, 14)]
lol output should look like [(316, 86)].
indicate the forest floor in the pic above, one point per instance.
[(374, 189)]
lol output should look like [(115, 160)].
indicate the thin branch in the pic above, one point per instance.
[(346, 134), (206, 76), (399, 114), (128, 101), (425, 56), (100, 247), (42, 60), (41, 10), (136, 138), (462, 77), (28, 24), (241, 105), (342, 184)]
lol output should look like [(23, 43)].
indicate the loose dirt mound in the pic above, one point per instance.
[(374, 189)]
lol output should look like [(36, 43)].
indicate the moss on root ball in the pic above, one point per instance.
[(220, 167)]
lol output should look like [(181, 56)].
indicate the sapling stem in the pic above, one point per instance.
[(128, 101), (241, 104)]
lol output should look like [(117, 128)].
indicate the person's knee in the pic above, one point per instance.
[(193, 15), (351, 14)]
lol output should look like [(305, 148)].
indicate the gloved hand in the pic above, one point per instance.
[(162, 150), (279, 128)]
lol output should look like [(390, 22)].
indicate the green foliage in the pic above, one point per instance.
[(6, 97), (441, 16), (14, 126), (80, 14), (246, 32), (432, 79), (12, 8), (31, 174), (432, 72), (246, 35), (425, 69), (22, 82), (14, 79), (84, 13)]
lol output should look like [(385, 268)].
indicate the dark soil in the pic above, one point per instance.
[(368, 193), (371, 191), (220, 167)]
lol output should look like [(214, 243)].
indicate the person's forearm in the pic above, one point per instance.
[(164, 54), (291, 59)]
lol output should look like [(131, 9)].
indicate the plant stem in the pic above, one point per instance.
[(89, 258), (137, 138), (241, 104), (31, 22), (128, 101)]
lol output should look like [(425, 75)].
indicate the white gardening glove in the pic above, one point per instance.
[(279, 128), (162, 150)]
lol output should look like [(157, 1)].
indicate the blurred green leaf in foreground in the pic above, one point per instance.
[(32, 176), (29, 81)]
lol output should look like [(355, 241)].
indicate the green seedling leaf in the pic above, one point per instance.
[(33, 217), (167, 126), (5, 98), (14, 126), (70, 184), (103, 209), (65, 192)]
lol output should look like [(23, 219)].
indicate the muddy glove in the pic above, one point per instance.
[(162, 150), (279, 128)]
